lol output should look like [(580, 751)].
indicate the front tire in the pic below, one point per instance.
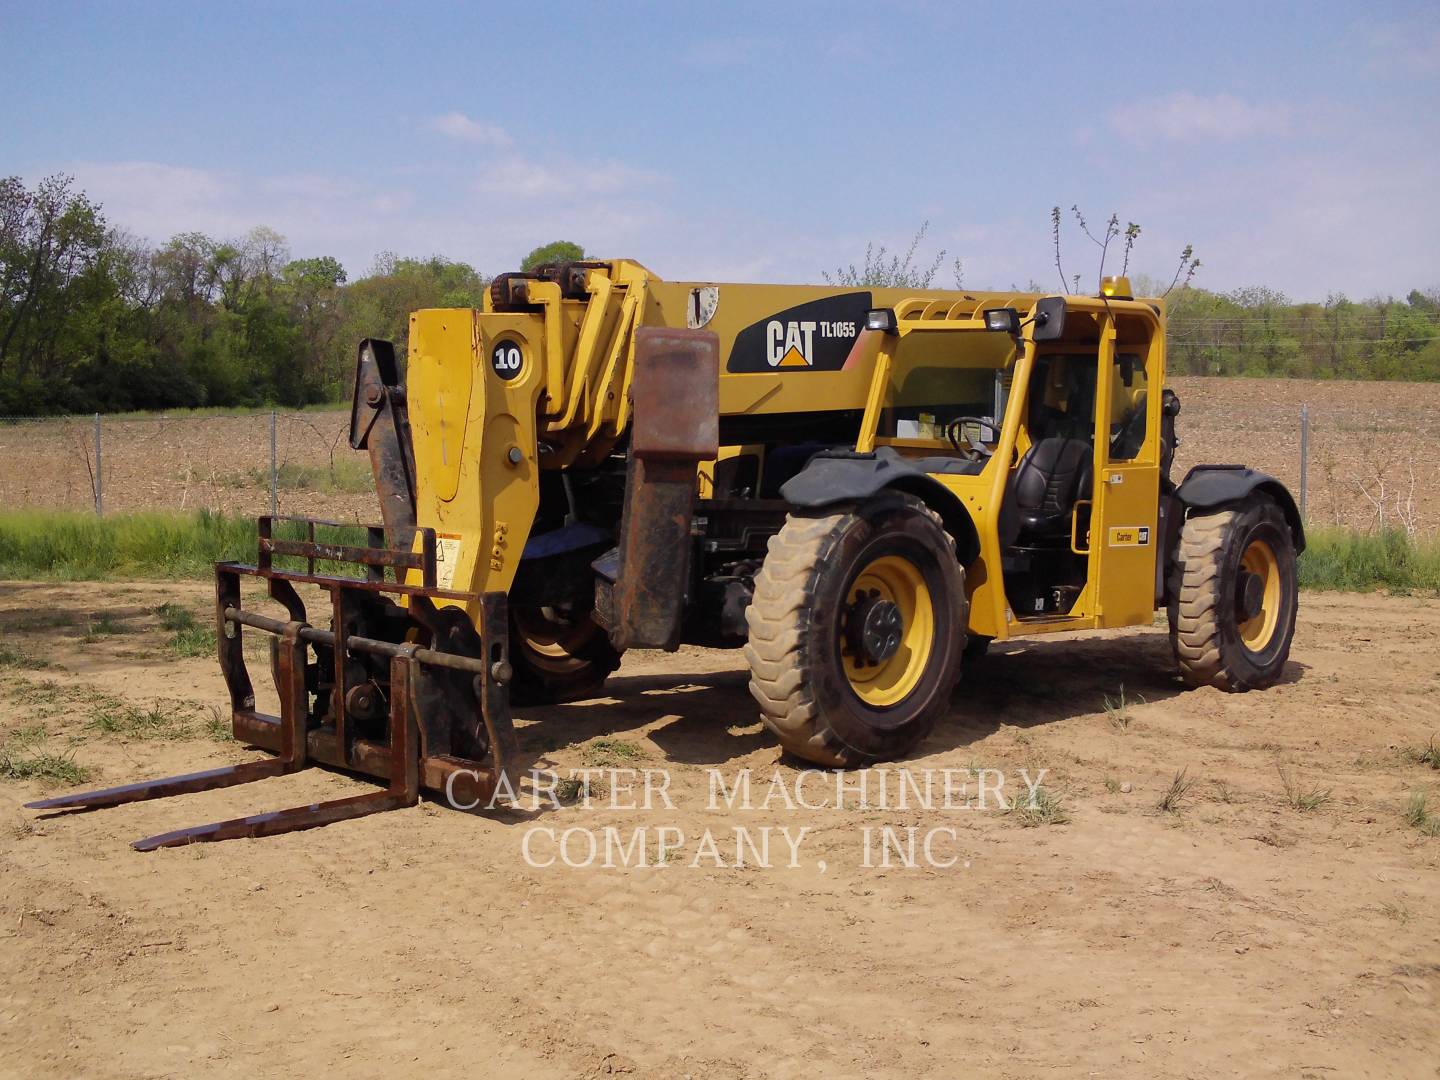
[(1232, 614), (558, 655), (856, 630)]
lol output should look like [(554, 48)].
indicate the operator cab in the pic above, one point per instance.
[(1048, 496), (1051, 496)]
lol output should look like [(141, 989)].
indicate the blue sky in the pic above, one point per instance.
[(1294, 144)]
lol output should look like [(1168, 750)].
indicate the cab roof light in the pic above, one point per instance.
[(1002, 320), (882, 319)]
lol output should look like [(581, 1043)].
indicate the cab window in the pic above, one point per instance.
[(1129, 394), (1062, 398)]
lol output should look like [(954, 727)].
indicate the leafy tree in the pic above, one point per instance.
[(557, 251), (883, 269), (50, 241), (379, 304)]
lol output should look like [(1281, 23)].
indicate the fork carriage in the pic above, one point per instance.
[(407, 692)]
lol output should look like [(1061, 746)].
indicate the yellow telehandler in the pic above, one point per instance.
[(860, 487)]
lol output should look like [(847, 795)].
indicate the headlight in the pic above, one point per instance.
[(1004, 320), (882, 319)]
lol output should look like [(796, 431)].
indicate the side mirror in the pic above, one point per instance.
[(1050, 318)]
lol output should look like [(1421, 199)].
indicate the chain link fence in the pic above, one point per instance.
[(250, 464), (1367, 456), (1360, 455)]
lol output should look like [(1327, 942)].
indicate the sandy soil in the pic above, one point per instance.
[(1239, 936), (1371, 452)]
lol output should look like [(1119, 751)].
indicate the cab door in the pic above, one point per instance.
[(1123, 537)]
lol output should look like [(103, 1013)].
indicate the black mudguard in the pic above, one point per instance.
[(834, 477), (1209, 486)]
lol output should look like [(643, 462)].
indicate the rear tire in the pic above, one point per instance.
[(557, 656), (1232, 612), (856, 631)]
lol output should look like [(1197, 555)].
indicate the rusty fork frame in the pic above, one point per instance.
[(420, 750)]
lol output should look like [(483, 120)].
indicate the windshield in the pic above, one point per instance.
[(936, 379)]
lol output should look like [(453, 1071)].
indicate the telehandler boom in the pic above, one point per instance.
[(861, 487)]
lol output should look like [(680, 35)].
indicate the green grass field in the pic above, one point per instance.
[(77, 546), (1341, 559)]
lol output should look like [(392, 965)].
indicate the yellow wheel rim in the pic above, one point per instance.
[(1259, 559), (897, 581), (549, 638)]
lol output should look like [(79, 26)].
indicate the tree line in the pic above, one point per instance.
[(93, 319), (1260, 332)]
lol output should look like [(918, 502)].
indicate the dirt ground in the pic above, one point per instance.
[(1371, 454), (1239, 935)]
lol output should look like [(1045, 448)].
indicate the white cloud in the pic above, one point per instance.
[(458, 126), (318, 213), (1185, 116), (433, 212), (525, 177), (156, 201)]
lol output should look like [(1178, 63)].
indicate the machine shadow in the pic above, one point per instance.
[(713, 718), (1033, 682), (1027, 683)]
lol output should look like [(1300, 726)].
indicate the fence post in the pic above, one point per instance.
[(99, 473), (274, 470), (1304, 460)]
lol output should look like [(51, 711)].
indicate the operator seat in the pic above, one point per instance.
[(1053, 475)]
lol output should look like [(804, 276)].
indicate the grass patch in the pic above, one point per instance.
[(51, 545), (25, 757), (102, 626), (188, 637), (1418, 815), (157, 722), (1343, 559), (1399, 912), (1118, 710), (570, 789), (1298, 797), (1429, 754), (218, 726), (610, 753), (1040, 808), (1176, 793), (39, 764), (29, 735), (41, 699), (11, 657), (344, 477)]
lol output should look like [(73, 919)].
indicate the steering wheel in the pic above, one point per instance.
[(954, 431)]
